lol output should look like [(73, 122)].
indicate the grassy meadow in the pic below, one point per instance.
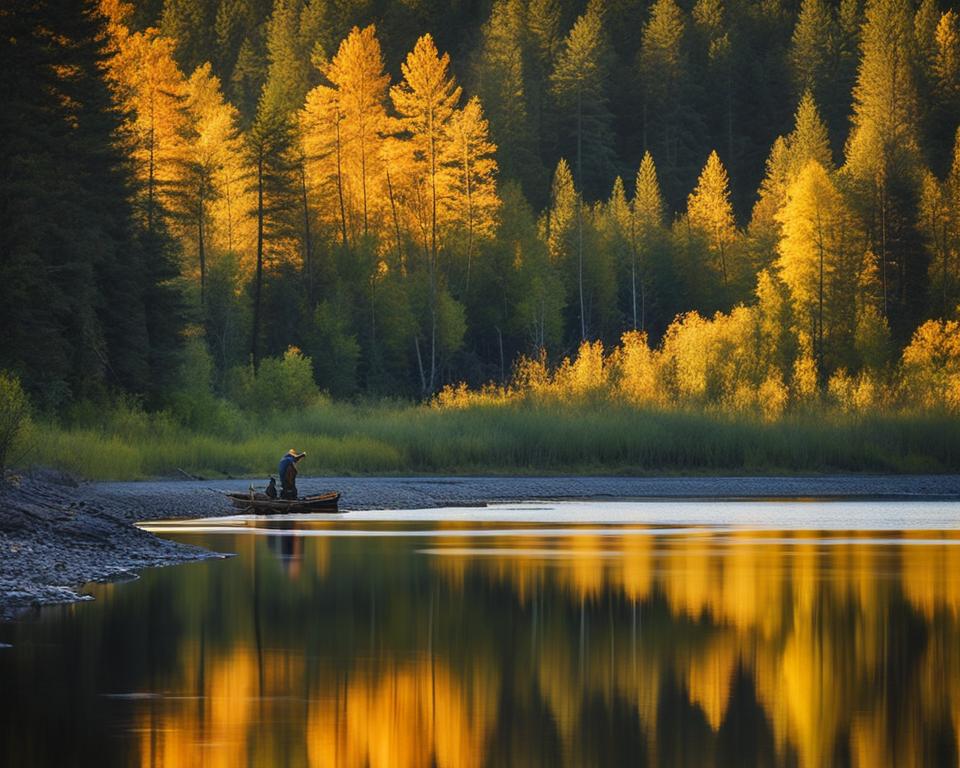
[(512, 437)]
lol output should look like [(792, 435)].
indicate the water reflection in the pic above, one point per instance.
[(473, 645)]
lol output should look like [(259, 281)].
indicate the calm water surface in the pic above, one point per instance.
[(701, 634)]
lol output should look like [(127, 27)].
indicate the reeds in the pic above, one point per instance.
[(522, 436)]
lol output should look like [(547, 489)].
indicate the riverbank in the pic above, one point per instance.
[(57, 534)]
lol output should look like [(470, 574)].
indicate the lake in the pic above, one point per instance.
[(558, 634)]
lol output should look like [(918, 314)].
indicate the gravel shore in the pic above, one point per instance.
[(57, 534)]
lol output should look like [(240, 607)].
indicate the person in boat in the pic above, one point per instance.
[(288, 474), (272, 488)]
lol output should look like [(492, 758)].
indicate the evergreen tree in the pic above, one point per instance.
[(248, 75), (671, 126), (811, 50), (940, 225), (715, 35), (560, 230), (809, 139), (543, 41), (268, 154), (85, 298), (883, 157), (190, 24), (289, 71), (943, 98), (579, 84), (499, 78), (619, 238)]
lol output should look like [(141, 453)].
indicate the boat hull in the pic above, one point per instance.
[(263, 505)]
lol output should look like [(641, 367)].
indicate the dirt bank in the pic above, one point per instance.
[(57, 534)]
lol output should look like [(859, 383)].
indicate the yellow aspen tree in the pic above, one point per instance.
[(561, 215), (711, 213), (425, 101), (399, 177), (619, 229), (321, 134), (809, 140), (150, 87), (820, 261), (646, 219), (356, 72), (471, 207), (215, 145)]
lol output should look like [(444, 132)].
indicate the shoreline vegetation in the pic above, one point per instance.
[(386, 439), (681, 408)]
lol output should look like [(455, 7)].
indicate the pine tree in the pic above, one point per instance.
[(85, 295), (561, 218), (715, 34), (925, 21), (940, 225), (321, 131), (847, 61), (559, 231), (710, 212), (811, 49), (268, 154), (670, 123), (248, 75), (527, 313), (289, 70), (946, 65), (542, 43), (232, 24), (618, 238), (883, 156), (189, 23), (943, 113), (499, 79), (579, 84), (885, 97), (763, 228)]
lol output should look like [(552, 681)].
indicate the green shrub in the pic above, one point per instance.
[(281, 384), (14, 414)]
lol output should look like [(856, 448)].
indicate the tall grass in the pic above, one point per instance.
[(513, 437)]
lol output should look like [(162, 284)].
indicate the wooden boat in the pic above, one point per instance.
[(262, 504)]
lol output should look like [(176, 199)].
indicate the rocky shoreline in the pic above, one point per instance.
[(57, 534)]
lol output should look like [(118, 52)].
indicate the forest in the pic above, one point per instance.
[(738, 206)]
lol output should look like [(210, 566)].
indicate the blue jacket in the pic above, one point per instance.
[(285, 464)]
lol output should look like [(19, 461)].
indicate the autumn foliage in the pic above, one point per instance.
[(565, 201)]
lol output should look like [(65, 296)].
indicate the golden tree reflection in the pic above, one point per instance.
[(847, 644)]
